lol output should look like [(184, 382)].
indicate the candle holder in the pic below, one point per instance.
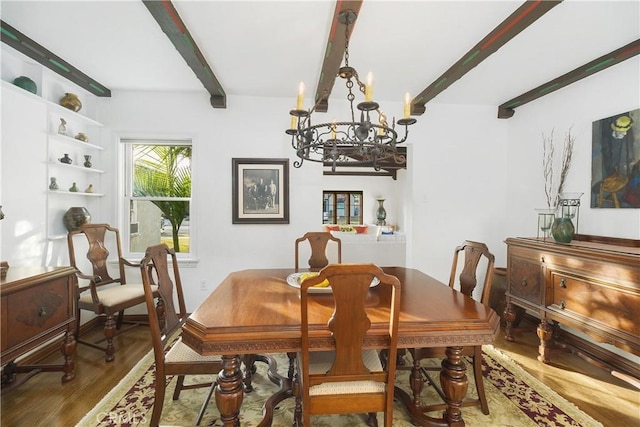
[(569, 207), (545, 221)]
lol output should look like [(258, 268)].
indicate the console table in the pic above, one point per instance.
[(38, 304), (591, 284)]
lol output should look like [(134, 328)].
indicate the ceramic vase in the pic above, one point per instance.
[(54, 184), (65, 159), (87, 161), (26, 83), (381, 213), (71, 101), (562, 230), (75, 217)]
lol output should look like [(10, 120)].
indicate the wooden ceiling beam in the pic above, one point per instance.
[(507, 109), (525, 15), (172, 25), (39, 53), (333, 54)]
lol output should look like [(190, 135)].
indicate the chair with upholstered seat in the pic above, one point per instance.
[(318, 240), (349, 379), (473, 252), (99, 292), (172, 356)]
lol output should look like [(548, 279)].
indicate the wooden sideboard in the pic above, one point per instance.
[(591, 284), (38, 304)]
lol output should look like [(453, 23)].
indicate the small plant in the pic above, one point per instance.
[(548, 154)]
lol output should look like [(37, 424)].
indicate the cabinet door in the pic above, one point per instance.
[(526, 279)]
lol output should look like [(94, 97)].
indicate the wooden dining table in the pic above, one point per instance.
[(258, 312)]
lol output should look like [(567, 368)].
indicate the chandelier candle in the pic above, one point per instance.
[(368, 92), (300, 99), (407, 105)]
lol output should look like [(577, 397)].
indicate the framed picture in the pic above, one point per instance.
[(260, 191)]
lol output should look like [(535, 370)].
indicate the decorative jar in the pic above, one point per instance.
[(26, 83), (381, 213), (75, 217), (71, 101), (562, 230)]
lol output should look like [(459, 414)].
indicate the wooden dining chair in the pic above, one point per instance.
[(473, 253), (349, 379), (318, 240), (99, 292), (172, 356)]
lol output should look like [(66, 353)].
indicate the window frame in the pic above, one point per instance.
[(348, 193), (125, 192)]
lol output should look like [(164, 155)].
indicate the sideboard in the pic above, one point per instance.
[(37, 305), (591, 284)]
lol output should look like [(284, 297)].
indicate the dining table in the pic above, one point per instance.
[(257, 312)]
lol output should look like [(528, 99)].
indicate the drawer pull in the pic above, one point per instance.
[(563, 304), (42, 312), (563, 283), (541, 259), (524, 282)]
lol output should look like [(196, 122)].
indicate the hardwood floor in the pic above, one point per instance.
[(44, 401)]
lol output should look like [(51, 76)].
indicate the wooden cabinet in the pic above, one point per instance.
[(37, 305), (591, 284)]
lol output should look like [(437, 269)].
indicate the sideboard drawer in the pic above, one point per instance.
[(599, 302), (525, 280), (37, 310)]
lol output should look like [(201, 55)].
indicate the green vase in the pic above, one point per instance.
[(562, 230)]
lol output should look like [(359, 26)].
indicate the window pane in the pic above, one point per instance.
[(161, 170), (327, 208), (341, 208), (149, 226), (355, 209)]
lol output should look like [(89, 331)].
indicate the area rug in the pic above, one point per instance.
[(515, 399)]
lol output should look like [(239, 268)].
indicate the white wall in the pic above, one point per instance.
[(612, 91)]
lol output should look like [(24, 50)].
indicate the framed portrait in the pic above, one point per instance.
[(260, 191)]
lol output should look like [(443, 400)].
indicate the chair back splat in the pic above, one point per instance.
[(351, 377), (318, 240)]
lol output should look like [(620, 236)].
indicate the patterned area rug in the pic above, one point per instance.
[(515, 399)]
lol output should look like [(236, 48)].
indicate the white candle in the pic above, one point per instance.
[(300, 99)]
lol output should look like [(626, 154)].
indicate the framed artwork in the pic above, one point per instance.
[(615, 164), (260, 191)]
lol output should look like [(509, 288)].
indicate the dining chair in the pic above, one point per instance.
[(99, 292), (349, 379), (473, 253), (172, 356), (318, 240)]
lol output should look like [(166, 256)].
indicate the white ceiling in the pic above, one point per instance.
[(264, 48)]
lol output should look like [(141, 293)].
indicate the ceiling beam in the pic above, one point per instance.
[(333, 54), (172, 25), (525, 15), (507, 109), (39, 53)]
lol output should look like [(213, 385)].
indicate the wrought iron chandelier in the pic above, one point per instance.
[(360, 142)]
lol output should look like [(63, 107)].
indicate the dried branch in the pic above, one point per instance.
[(548, 152), (547, 166)]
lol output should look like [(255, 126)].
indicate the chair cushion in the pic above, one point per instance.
[(116, 294), (321, 361), (180, 352)]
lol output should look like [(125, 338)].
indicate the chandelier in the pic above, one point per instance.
[(363, 142)]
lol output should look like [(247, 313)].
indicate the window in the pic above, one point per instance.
[(157, 195), (342, 207)]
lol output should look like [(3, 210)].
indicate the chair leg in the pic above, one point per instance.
[(178, 389), (292, 362), (120, 319), (249, 361), (372, 419), (416, 381), (477, 375), (109, 332), (205, 403), (158, 401)]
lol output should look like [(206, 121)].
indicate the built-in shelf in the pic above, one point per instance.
[(74, 141), (74, 193), (82, 168)]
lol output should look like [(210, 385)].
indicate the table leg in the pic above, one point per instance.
[(68, 349), (454, 382), (509, 316), (229, 392)]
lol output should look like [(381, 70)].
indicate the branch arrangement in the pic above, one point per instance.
[(548, 152)]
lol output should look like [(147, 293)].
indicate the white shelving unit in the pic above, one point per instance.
[(50, 89)]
